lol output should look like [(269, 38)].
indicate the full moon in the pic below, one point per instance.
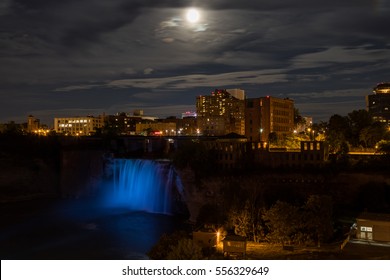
[(192, 15)]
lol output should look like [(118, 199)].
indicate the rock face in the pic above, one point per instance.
[(81, 172), (27, 178)]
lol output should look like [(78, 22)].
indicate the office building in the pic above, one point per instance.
[(378, 103), (266, 115), (78, 126)]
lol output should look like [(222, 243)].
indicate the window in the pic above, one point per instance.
[(368, 229)]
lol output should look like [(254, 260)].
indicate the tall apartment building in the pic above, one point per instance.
[(378, 103), (78, 126), (221, 113), (268, 114)]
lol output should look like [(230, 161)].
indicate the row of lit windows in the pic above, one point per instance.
[(71, 125)]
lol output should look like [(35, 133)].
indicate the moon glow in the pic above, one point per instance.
[(192, 15)]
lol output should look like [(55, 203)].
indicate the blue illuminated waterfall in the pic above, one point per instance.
[(144, 185)]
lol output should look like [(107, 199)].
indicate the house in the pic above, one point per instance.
[(373, 226), (234, 244)]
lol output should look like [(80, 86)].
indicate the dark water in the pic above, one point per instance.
[(78, 229)]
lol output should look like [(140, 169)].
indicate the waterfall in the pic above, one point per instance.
[(143, 185)]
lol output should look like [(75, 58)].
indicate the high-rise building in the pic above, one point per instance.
[(220, 113), (237, 93), (378, 103), (266, 115)]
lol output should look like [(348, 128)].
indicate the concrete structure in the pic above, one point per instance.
[(78, 126), (235, 152), (373, 226), (312, 153), (378, 103), (266, 115), (220, 113), (229, 151)]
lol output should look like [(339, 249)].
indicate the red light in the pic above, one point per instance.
[(156, 133)]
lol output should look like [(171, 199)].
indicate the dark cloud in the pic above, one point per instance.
[(102, 55)]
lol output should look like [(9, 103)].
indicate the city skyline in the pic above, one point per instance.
[(91, 57)]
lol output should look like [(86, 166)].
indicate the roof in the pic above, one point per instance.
[(234, 238), (374, 216)]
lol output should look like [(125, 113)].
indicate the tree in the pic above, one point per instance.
[(273, 138), (372, 134), (338, 132), (162, 248), (283, 221), (318, 220), (358, 120), (298, 119), (185, 249), (13, 128), (246, 221)]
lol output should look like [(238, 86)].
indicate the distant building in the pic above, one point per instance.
[(378, 103), (221, 113), (122, 123), (187, 126), (268, 114), (158, 128), (126, 123), (33, 124), (78, 126), (188, 115)]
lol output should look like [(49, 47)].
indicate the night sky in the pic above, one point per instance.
[(79, 57)]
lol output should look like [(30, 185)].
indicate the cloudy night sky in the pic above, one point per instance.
[(85, 57)]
